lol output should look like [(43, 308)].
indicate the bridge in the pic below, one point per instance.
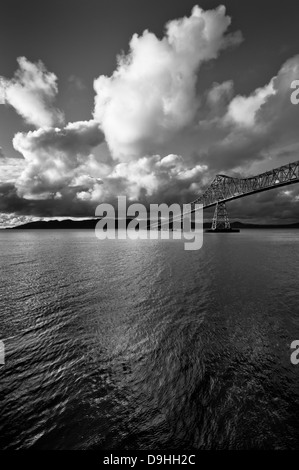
[(226, 188)]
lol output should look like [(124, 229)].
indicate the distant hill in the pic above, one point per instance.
[(61, 224), (91, 223)]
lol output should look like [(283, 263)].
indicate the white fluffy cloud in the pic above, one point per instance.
[(56, 157), (265, 121), (242, 110), (153, 138), (31, 92), (152, 178), (152, 93), (150, 96), (62, 163), (11, 168)]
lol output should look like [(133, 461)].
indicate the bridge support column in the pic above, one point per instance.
[(220, 219)]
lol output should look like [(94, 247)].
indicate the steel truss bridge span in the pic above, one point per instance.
[(226, 188)]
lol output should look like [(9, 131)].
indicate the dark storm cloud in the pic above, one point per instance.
[(11, 202), (274, 206)]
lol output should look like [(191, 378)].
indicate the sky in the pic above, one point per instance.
[(148, 100)]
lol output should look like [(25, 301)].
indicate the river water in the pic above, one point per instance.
[(121, 344)]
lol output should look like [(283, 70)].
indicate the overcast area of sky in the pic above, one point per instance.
[(148, 99)]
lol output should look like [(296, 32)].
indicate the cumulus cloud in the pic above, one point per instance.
[(154, 138), (271, 126), (11, 168), (152, 93), (152, 179), (62, 164), (220, 94), (242, 110), (56, 156), (31, 92), (64, 171), (258, 135)]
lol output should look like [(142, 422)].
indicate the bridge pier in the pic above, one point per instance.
[(220, 221)]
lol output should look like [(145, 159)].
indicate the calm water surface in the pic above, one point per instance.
[(142, 345)]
